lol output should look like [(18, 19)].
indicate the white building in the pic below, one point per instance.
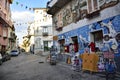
[(42, 30)]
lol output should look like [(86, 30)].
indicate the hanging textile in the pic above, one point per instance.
[(90, 61), (92, 46)]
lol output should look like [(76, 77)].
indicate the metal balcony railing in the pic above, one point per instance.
[(10, 1), (45, 33)]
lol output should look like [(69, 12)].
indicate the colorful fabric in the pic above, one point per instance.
[(108, 55), (110, 67), (90, 61), (92, 46)]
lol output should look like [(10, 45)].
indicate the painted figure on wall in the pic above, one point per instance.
[(83, 41), (110, 37)]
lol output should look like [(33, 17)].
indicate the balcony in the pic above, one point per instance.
[(13, 39), (4, 36), (10, 1), (3, 17), (45, 33), (59, 28), (93, 14), (51, 3), (55, 5), (12, 36)]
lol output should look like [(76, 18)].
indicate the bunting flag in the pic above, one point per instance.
[(19, 24), (21, 5), (29, 8), (24, 23), (17, 3), (26, 7)]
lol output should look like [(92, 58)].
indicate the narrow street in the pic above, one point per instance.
[(28, 67)]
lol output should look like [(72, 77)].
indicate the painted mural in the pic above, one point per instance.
[(77, 10), (104, 34), (109, 29)]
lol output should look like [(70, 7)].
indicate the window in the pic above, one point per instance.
[(97, 37), (6, 4), (4, 33), (92, 6), (45, 29), (37, 29)]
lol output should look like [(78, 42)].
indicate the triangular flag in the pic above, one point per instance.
[(21, 5), (29, 8), (26, 7), (17, 3)]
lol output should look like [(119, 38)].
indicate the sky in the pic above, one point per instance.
[(21, 15)]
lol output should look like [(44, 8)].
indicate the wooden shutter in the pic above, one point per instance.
[(89, 6), (92, 6), (95, 5)]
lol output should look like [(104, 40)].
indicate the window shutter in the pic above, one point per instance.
[(89, 6), (95, 3), (92, 6)]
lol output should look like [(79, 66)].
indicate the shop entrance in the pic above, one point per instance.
[(97, 37)]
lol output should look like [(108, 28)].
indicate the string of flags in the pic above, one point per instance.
[(22, 5), (22, 23), (27, 8)]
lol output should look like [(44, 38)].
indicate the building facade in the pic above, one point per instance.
[(5, 23), (42, 30), (83, 21), (12, 44)]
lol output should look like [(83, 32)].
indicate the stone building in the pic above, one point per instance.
[(7, 35)]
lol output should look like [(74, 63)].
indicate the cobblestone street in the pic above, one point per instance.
[(28, 67)]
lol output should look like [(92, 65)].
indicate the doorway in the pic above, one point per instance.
[(46, 48)]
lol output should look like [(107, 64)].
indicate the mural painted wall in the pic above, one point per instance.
[(79, 9), (105, 31)]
